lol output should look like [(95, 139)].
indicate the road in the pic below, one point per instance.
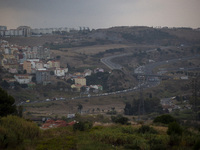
[(107, 61), (142, 71)]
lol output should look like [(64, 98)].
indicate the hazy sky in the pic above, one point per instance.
[(99, 13)]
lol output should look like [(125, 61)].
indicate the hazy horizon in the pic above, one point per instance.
[(99, 14)]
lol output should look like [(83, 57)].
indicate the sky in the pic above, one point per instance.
[(99, 13)]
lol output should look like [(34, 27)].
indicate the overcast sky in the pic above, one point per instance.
[(99, 13)]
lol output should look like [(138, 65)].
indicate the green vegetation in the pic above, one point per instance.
[(119, 119), (109, 51), (147, 36), (165, 119), (82, 126), (99, 78), (174, 128), (150, 105), (17, 133), (6, 103)]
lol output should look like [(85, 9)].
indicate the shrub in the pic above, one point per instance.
[(82, 126), (7, 106), (119, 119), (146, 129), (174, 139), (174, 128), (197, 144), (158, 142), (14, 131), (166, 119)]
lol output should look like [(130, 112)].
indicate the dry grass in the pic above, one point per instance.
[(62, 108)]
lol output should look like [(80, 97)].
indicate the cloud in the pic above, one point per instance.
[(99, 13)]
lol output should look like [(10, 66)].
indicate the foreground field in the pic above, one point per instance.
[(84, 136)]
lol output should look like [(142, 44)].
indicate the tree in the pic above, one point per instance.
[(6, 104), (80, 107), (5, 84), (174, 128), (119, 119), (128, 109), (166, 119), (150, 105)]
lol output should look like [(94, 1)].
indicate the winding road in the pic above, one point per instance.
[(141, 70)]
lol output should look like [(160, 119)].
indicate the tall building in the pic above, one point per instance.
[(27, 66), (26, 30), (43, 76), (3, 28)]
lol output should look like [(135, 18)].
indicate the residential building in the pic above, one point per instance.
[(98, 70), (77, 87), (60, 71), (26, 31), (87, 72), (12, 70), (39, 65), (43, 76), (27, 66), (80, 80), (53, 64), (3, 28), (23, 78)]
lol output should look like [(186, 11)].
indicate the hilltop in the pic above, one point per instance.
[(124, 34)]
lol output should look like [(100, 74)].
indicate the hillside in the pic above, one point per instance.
[(124, 34), (17, 133)]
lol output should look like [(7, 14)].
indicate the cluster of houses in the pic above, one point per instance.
[(80, 81), (27, 62), (170, 104), (26, 31), (34, 65)]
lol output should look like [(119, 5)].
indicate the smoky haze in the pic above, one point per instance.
[(99, 13)]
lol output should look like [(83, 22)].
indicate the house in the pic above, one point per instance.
[(11, 65), (10, 81), (87, 72), (98, 70), (184, 77), (80, 80), (27, 66), (23, 78), (60, 71), (12, 70), (43, 76), (53, 64), (96, 88), (39, 65), (77, 87)]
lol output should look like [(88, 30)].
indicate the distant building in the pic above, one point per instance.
[(77, 87), (60, 72), (43, 76), (98, 70), (23, 78), (2, 31), (27, 66), (87, 72), (184, 77), (53, 64), (80, 80), (3, 28), (39, 65), (26, 31)]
